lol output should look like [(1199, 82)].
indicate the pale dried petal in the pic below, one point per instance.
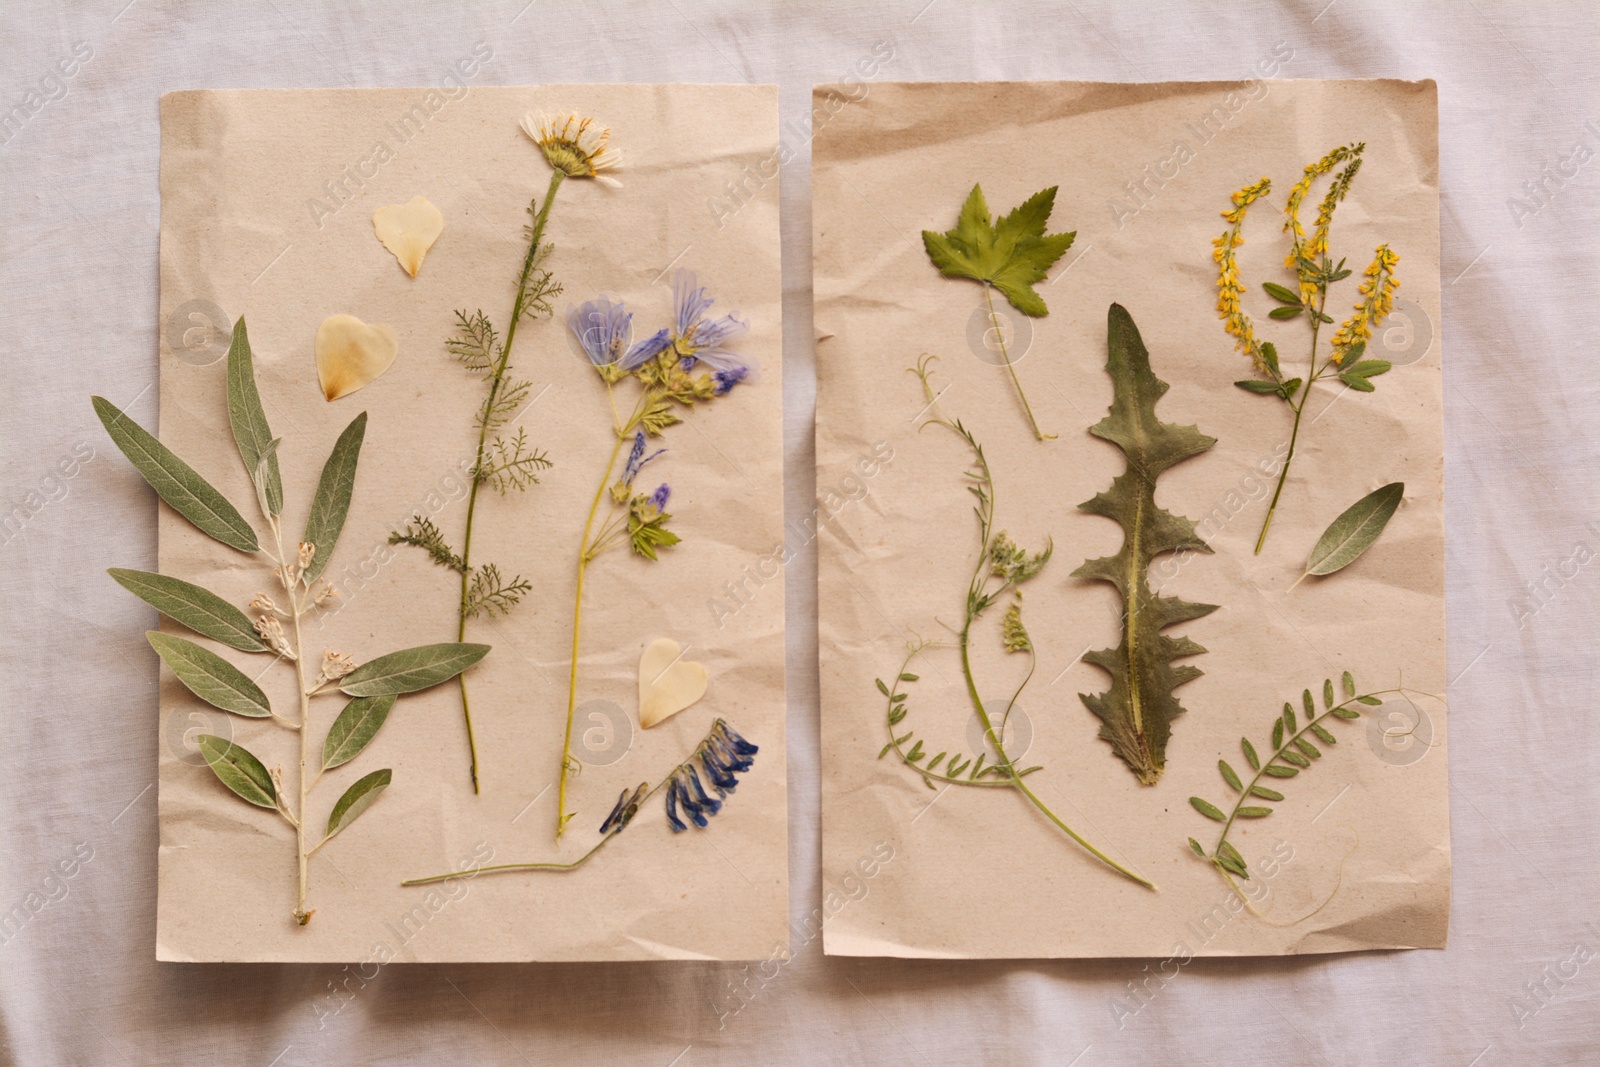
[(408, 230), (668, 683), (350, 354)]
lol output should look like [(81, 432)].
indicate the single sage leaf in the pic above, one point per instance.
[(239, 770), (175, 481), (411, 669), (331, 503), (1209, 810), (357, 799), (1353, 532), (249, 420), (199, 609), (355, 727), (210, 677), (1136, 712)]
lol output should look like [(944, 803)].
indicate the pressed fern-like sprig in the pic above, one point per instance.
[(1292, 750), (504, 465), (1136, 713), (1001, 568)]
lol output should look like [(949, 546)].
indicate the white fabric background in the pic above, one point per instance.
[(78, 980)]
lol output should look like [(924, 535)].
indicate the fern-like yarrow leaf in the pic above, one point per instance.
[(1136, 713)]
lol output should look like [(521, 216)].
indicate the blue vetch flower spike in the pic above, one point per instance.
[(604, 331), (722, 754), (659, 498), (698, 339), (627, 807), (637, 459)]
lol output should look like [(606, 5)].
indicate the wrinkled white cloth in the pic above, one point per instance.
[(1520, 982)]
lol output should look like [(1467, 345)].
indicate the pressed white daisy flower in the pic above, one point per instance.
[(575, 146)]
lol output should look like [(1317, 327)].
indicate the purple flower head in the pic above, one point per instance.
[(637, 459), (659, 498), (604, 331), (699, 339), (727, 379)]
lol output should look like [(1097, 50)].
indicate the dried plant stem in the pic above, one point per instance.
[(994, 320), (495, 382), (1299, 409), (590, 547)]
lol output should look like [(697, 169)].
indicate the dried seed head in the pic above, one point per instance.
[(336, 665), (262, 602), (324, 594), (271, 631)]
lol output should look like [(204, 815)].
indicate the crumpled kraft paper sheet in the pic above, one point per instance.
[(1358, 855), (267, 202)]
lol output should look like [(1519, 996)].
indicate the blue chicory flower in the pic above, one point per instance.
[(604, 331), (699, 339)]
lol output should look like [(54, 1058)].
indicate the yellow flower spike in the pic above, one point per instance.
[(1377, 301), (575, 146), (1229, 309)]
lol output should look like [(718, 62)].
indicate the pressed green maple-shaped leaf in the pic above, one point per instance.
[(1136, 713), (1012, 253)]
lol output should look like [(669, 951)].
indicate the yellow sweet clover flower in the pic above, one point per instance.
[(1377, 300), (575, 146), (1300, 246), (1229, 310)]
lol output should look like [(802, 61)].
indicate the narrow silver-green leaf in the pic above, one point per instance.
[(1229, 776), (210, 677), (357, 799), (249, 420), (411, 669), (239, 770), (331, 503), (1353, 532), (355, 727), (1209, 810), (175, 481), (199, 609)]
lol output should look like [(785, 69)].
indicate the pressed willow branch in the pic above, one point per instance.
[(1292, 751), (1001, 568), (374, 685), (1314, 271), (722, 755)]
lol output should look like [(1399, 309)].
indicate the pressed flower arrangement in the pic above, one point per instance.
[(1313, 272), (671, 371), (575, 148)]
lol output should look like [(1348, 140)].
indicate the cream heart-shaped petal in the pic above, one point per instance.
[(668, 683), (408, 230), (351, 354)]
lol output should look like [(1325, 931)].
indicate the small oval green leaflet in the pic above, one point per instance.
[(357, 799), (239, 770), (201, 610), (1353, 532), (210, 677), (354, 729), (411, 669), (175, 481)]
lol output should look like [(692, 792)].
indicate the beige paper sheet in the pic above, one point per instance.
[(241, 177), (1362, 842)]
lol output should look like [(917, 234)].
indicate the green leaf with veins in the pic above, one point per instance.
[(1012, 253)]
